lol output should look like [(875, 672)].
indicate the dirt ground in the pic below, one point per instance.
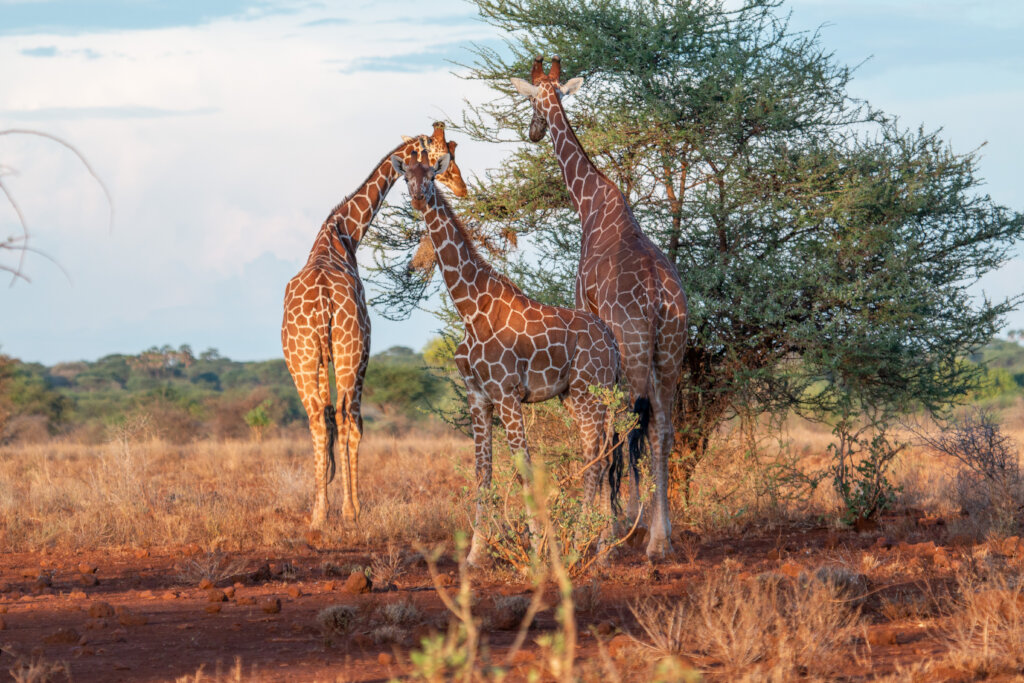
[(141, 615)]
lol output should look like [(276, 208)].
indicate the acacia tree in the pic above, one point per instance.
[(827, 252)]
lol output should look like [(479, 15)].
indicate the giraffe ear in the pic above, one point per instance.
[(442, 164), (572, 86), (524, 88), (398, 164)]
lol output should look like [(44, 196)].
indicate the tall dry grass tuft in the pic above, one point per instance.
[(136, 490), (985, 627), (767, 627)]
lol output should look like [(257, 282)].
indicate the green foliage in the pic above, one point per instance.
[(861, 460), (259, 419), (184, 396), (397, 381)]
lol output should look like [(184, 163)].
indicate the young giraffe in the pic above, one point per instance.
[(515, 350), (325, 320), (627, 281)]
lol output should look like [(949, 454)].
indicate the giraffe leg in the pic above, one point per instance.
[(321, 429), (590, 417), (510, 411), (481, 411), (659, 545)]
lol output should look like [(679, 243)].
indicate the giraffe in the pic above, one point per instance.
[(325, 320), (628, 282), (515, 350)]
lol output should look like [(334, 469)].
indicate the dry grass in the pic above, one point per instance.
[(985, 627), (233, 495), (765, 628)]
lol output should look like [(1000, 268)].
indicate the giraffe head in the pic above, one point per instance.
[(419, 175), (544, 91), (436, 146)]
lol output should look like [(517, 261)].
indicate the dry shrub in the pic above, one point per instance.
[(213, 566), (36, 669), (769, 627), (988, 485), (336, 619), (985, 628), (402, 613), (386, 568)]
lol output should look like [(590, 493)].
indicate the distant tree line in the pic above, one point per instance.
[(189, 396)]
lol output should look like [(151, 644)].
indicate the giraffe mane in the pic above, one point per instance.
[(474, 254)]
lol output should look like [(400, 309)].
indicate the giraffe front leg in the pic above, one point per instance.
[(481, 411), (510, 411)]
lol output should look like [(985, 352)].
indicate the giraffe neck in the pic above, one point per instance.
[(466, 274), (581, 176), (349, 219)]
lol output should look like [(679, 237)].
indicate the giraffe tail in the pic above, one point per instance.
[(642, 408), (331, 422), (615, 473)]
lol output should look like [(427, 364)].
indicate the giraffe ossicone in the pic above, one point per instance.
[(326, 321), (516, 350)]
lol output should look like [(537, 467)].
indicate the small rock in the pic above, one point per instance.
[(88, 580), (100, 609), (791, 569), (146, 595), (605, 628), (87, 568), (356, 583), (205, 584), (271, 605), (385, 659), (169, 595), (127, 618), (245, 600), (214, 607), (328, 586), (229, 591), (62, 636), (77, 595), (882, 636), (216, 595), (141, 553), (294, 591), (618, 645)]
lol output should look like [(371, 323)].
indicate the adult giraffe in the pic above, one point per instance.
[(516, 350), (628, 282), (325, 320)]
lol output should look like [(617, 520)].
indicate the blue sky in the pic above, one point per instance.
[(227, 130)]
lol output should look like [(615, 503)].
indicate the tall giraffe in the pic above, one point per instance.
[(515, 350), (325, 320), (627, 281)]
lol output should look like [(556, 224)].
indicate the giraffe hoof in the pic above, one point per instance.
[(659, 549)]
